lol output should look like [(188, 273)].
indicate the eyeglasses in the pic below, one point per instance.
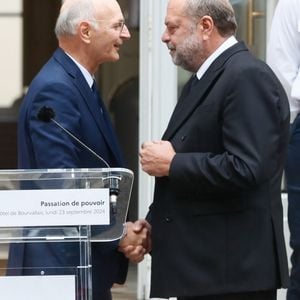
[(118, 26)]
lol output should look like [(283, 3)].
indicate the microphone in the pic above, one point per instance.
[(114, 192), (47, 114)]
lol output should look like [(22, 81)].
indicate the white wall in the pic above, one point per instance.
[(11, 51)]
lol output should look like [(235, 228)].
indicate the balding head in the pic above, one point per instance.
[(73, 12), (91, 31)]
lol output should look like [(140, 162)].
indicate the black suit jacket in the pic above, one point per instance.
[(217, 219)]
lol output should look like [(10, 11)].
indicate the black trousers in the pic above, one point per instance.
[(262, 295)]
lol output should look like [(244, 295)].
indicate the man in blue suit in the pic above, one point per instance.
[(89, 32)]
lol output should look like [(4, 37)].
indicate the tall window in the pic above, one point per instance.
[(251, 17)]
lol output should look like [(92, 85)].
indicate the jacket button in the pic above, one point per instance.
[(168, 219), (183, 138)]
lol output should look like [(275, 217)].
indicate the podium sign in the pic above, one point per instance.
[(62, 207), (32, 287), (81, 206)]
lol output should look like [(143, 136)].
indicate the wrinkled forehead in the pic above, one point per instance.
[(176, 13), (175, 9)]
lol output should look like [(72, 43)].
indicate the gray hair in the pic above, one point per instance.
[(72, 14), (220, 11)]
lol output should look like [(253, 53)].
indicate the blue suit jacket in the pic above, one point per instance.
[(61, 85)]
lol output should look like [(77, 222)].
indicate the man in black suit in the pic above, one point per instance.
[(217, 223)]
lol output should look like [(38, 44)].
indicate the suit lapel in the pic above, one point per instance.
[(102, 122), (107, 129), (187, 103), (190, 99)]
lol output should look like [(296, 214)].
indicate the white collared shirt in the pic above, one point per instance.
[(204, 67), (283, 51), (86, 74)]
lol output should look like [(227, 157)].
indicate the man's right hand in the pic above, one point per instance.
[(137, 241)]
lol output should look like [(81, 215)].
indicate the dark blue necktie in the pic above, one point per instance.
[(97, 96)]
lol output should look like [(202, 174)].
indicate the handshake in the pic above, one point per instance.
[(136, 241)]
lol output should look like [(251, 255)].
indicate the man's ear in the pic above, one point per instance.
[(85, 31), (206, 25)]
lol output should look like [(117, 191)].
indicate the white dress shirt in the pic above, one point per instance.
[(86, 74), (227, 44), (283, 52)]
